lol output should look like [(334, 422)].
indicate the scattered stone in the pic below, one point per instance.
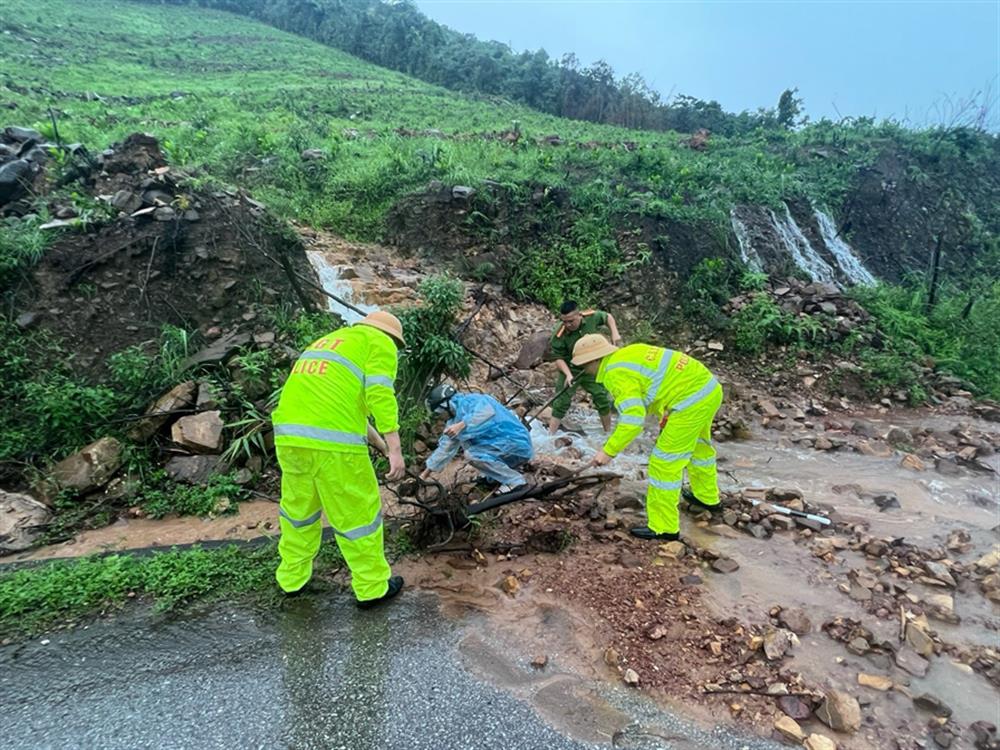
[(656, 632), (886, 501), (941, 604), (918, 639), (611, 657), (207, 398), (932, 704), (534, 351), (795, 707), (898, 437), (218, 351), (840, 711), (691, 580), (943, 739), (777, 643), (673, 550), (312, 154), (158, 414), (199, 432), (989, 561), (859, 646), (940, 572), (22, 521), (631, 678), (875, 682), (510, 586), (26, 320), (947, 467), (913, 463), (90, 467), (819, 742), (788, 728), (540, 661), (725, 565), (716, 346), (910, 661), (795, 620), (196, 470)]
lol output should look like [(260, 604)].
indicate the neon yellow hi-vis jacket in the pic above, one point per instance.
[(643, 378), (337, 382)]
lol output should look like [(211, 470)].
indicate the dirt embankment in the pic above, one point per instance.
[(873, 629), (143, 248)]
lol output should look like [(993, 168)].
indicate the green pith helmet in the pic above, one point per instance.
[(439, 398)]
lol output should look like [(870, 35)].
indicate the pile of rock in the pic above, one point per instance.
[(920, 448), (842, 315), (23, 153)]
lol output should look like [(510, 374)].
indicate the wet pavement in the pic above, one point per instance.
[(318, 674)]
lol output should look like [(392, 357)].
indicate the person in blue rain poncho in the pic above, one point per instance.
[(494, 440)]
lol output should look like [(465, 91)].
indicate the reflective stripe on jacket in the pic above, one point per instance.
[(650, 379), (336, 383)]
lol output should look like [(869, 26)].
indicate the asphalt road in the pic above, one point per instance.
[(319, 674)]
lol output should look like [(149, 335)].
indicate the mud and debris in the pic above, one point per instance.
[(844, 595)]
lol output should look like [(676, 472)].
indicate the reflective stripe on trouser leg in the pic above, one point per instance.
[(674, 449), (349, 493), (702, 472), (298, 517)]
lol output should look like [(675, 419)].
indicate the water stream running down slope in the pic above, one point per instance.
[(849, 263), (330, 276), (792, 243), (748, 254), (799, 248)]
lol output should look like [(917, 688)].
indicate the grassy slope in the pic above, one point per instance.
[(255, 97)]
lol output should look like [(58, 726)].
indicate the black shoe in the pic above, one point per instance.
[(698, 505), (395, 586), (644, 532)]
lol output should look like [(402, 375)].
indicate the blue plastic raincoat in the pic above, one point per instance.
[(494, 440)]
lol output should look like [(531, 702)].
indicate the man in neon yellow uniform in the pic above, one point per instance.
[(320, 433), (681, 392)]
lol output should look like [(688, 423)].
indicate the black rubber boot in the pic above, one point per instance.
[(697, 505), (395, 586), (644, 532)]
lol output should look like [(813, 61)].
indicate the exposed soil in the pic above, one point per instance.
[(205, 261)]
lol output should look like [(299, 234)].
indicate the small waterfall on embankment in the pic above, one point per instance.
[(331, 279), (799, 248), (767, 239), (747, 252), (849, 263)]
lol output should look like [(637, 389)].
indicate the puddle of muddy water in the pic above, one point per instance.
[(781, 571)]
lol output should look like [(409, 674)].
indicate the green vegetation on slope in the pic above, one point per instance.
[(239, 101), (397, 35)]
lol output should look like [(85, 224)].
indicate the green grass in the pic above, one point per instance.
[(250, 98), (37, 599)]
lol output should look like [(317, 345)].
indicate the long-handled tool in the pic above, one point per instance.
[(796, 513), (529, 420)]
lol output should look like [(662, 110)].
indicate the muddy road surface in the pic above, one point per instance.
[(320, 674)]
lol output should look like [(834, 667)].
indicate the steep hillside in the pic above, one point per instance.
[(244, 102), (548, 206)]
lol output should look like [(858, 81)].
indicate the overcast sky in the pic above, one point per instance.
[(899, 59)]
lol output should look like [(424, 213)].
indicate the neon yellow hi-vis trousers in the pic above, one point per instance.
[(685, 441), (343, 485)]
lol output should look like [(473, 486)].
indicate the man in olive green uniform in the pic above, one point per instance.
[(574, 324)]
